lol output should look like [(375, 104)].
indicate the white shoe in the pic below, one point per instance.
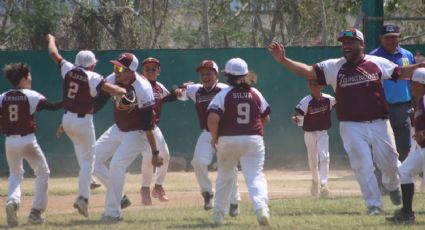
[(324, 191), (263, 217), (110, 219), (12, 217), (81, 204), (218, 219)]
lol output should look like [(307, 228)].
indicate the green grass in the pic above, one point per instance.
[(295, 213)]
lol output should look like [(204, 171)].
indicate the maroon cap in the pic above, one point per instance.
[(209, 64), (127, 60), (151, 60)]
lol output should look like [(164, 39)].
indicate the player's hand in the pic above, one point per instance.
[(179, 92), (277, 50), (59, 131), (419, 136), (295, 119), (50, 37), (157, 160)]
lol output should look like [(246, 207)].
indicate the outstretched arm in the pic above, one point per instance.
[(113, 89), (277, 50), (407, 71), (53, 50)]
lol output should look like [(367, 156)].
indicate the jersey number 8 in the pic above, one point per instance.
[(13, 112)]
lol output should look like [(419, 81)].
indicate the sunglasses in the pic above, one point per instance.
[(347, 34), (119, 69)]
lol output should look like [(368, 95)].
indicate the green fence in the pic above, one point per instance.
[(179, 122)]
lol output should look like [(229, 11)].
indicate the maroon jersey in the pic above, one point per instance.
[(420, 119), (316, 112), (358, 88), (161, 95), (17, 111), (202, 98), (241, 111), (80, 87), (131, 120)]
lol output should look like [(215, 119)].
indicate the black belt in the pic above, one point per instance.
[(22, 135), (80, 115), (400, 103)]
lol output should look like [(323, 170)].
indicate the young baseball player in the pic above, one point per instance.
[(151, 69), (315, 111), (236, 117), (415, 161), (131, 134), (362, 111), (17, 108), (80, 87), (201, 95)]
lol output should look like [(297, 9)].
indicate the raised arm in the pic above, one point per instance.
[(277, 50), (53, 50), (113, 89), (407, 71)]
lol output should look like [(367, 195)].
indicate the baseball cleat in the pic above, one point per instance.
[(110, 219), (81, 204), (263, 217), (145, 194), (324, 190), (234, 210), (314, 190), (401, 216), (374, 211), (395, 197), (218, 219), (94, 185), (125, 202), (207, 200), (35, 217), (12, 217), (158, 192)]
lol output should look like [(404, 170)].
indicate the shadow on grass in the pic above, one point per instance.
[(199, 223)]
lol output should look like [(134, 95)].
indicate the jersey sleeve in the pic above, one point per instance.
[(302, 106), (144, 94), (96, 81), (35, 100), (217, 103), (191, 91), (265, 109), (65, 67), (389, 69), (327, 71)]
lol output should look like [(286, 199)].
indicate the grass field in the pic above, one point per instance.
[(291, 206)]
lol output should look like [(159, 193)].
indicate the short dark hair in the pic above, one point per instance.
[(14, 72)]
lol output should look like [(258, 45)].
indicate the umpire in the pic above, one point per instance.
[(397, 93)]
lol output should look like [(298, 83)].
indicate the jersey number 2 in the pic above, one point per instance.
[(72, 90), (13, 112), (243, 113)]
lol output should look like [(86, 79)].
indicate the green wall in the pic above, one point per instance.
[(179, 122)]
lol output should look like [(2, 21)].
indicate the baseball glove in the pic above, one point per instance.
[(126, 102)]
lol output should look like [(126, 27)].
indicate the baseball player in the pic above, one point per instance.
[(201, 95), (17, 108), (131, 134), (362, 111), (236, 117), (151, 70), (315, 111), (414, 164), (80, 87)]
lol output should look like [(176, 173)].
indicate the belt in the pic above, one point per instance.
[(16, 135), (80, 115), (400, 103), (378, 119)]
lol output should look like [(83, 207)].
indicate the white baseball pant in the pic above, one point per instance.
[(317, 144), (412, 166), (203, 157), (249, 151), (147, 167), (81, 132), (368, 142), (123, 147), (26, 147)]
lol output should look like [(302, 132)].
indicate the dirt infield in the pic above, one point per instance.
[(182, 189)]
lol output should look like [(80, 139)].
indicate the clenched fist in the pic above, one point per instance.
[(157, 160)]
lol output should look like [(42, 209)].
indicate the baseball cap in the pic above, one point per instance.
[(351, 33), (127, 60), (419, 75), (209, 64), (151, 60), (236, 67), (85, 58), (390, 29)]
